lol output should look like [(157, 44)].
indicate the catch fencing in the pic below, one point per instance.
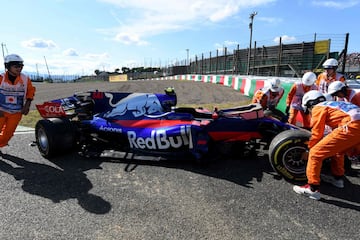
[(282, 59)]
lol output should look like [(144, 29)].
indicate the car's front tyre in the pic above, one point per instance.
[(285, 154)]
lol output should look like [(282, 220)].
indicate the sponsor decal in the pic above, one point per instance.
[(110, 129), (284, 171), (159, 139), (279, 161), (66, 102), (139, 104), (50, 109)]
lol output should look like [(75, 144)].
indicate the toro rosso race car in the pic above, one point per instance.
[(151, 125)]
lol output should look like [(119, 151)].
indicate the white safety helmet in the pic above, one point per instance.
[(13, 59), (335, 87), (274, 84), (331, 63), (308, 78), (312, 98), (328, 97)]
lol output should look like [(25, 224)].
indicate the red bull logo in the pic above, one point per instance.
[(159, 139)]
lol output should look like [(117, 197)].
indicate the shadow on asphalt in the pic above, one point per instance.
[(66, 182), (347, 197), (239, 171), (69, 180), (244, 171)]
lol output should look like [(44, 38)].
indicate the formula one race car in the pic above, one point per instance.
[(151, 125)]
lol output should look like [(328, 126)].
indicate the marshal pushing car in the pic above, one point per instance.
[(151, 125)]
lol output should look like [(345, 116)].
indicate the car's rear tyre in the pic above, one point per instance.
[(285, 154), (55, 136)]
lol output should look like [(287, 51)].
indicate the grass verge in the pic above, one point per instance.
[(31, 119)]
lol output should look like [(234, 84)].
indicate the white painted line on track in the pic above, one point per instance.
[(24, 130)]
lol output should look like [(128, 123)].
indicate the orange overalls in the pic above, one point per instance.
[(266, 99), (12, 98), (324, 80), (294, 100), (344, 119), (353, 97)]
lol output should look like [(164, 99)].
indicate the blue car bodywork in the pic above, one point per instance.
[(148, 124)]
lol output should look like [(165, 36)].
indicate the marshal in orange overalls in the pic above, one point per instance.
[(344, 119), (353, 97), (293, 100), (13, 97), (267, 98), (324, 79)]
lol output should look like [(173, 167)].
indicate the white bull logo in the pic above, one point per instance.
[(138, 103)]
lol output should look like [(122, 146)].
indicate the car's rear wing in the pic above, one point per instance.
[(64, 107)]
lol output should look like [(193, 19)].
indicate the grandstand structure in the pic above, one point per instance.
[(281, 59)]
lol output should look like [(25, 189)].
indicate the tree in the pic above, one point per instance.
[(125, 70)]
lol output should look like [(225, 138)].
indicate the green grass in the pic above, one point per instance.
[(31, 119)]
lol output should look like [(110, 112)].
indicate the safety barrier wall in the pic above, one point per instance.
[(247, 85)]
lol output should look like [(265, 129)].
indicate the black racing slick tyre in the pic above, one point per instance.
[(285, 154), (55, 136)]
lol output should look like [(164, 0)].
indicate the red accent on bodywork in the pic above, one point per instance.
[(234, 136), (202, 142), (97, 95), (154, 123), (50, 109)]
